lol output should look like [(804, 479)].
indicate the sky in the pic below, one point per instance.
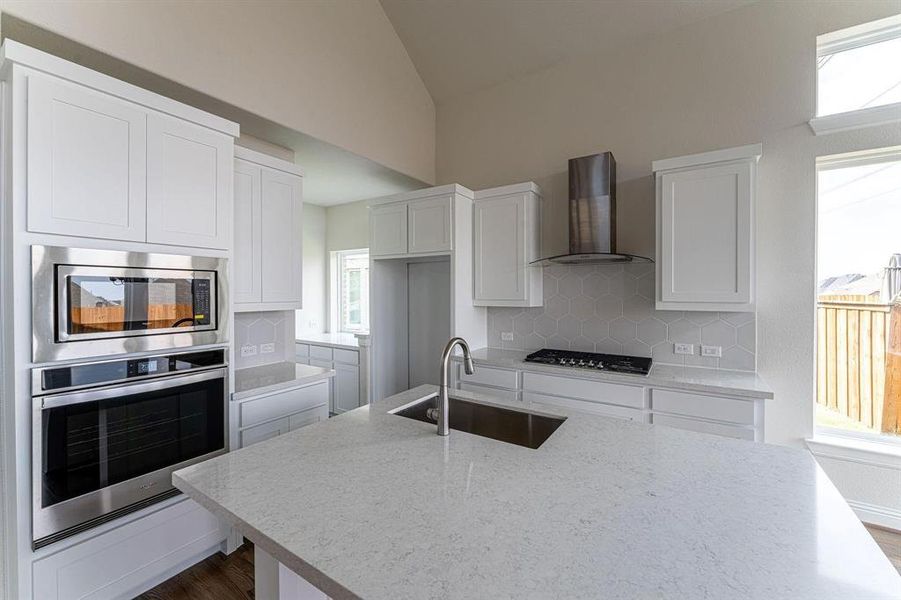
[(859, 207)]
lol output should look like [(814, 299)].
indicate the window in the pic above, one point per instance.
[(351, 307), (858, 76), (858, 347)]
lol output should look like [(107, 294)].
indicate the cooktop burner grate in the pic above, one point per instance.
[(637, 365)]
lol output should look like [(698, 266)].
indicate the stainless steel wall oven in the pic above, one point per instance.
[(89, 303), (107, 435)]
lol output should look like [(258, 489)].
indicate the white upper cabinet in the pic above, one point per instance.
[(705, 230), (108, 160), (268, 233), (248, 276), (430, 225), (506, 238), (189, 184), (414, 223), (388, 229), (86, 162), (282, 236)]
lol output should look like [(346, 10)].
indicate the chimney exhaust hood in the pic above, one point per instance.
[(592, 214)]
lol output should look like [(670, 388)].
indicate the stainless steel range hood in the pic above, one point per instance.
[(592, 214)]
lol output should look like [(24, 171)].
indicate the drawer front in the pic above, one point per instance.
[(283, 404), (302, 350), (324, 364), (348, 357), (321, 352), (488, 376), (510, 395), (585, 389), (266, 431), (707, 407), (595, 408), (733, 431), (308, 417)]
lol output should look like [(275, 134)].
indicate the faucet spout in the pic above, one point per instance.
[(443, 412)]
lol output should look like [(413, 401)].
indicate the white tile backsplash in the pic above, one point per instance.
[(258, 328), (610, 309)]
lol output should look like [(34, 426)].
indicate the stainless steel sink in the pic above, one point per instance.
[(511, 426)]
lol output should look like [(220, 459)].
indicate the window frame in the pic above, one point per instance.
[(337, 305), (821, 434), (850, 38)]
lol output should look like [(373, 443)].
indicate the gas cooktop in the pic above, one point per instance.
[(636, 365)]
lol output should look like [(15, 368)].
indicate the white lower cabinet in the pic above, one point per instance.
[(344, 394), (740, 418), (126, 560), (270, 415), (347, 387)]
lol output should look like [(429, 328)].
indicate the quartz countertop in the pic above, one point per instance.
[(335, 340), (745, 384), (254, 381), (604, 508)]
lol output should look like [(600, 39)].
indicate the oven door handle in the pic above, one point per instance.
[(105, 393)]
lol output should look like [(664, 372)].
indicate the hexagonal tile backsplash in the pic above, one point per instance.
[(610, 309)]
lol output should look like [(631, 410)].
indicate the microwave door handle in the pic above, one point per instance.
[(115, 391)]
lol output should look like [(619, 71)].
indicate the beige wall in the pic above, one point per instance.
[(744, 77), (314, 316), (348, 226), (334, 70)]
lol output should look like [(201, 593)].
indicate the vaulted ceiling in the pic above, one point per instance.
[(459, 46)]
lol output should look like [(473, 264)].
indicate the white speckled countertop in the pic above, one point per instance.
[(373, 505), (264, 379), (745, 384), (335, 340)]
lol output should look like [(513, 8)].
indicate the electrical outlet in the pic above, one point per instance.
[(506, 336), (267, 348), (248, 350), (679, 348), (716, 351)]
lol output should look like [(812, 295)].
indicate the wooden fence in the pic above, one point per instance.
[(859, 362)]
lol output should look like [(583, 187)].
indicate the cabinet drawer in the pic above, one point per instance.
[(510, 395), (302, 350), (266, 431), (733, 431), (707, 407), (584, 389), (488, 376), (348, 357), (595, 408), (308, 417), (283, 404), (116, 562), (321, 352)]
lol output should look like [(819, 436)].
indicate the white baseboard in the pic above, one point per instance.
[(876, 515)]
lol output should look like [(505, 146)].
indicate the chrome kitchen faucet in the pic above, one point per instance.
[(443, 416)]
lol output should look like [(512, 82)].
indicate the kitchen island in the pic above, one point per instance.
[(373, 505)]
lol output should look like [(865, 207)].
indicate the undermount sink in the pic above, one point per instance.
[(511, 426)]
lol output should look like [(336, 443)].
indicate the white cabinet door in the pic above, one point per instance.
[(282, 236), (189, 184), (500, 249), (248, 277), (705, 227), (265, 431), (430, 225), (388, 230), (347, 388), (86, 162)]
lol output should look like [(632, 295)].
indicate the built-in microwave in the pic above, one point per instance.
[(89, 303)]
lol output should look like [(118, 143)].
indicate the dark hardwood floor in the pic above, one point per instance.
[(215, 578)]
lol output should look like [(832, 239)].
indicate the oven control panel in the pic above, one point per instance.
[(55, 379)]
